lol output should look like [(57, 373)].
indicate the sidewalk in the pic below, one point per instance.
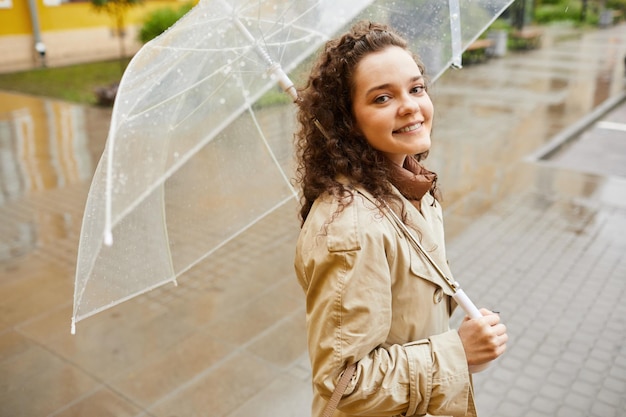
[(550, 256), (539, 236), (552, 261)]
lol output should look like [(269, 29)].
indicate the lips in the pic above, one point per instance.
[(409, 128)]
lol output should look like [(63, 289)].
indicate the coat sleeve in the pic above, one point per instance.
[(349, 312)]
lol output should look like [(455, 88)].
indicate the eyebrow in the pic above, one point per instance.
[(387, 85)]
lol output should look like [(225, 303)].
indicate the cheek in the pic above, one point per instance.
[(428, 107), (361, 122)]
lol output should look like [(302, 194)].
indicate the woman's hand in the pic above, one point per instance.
[(484, 338)]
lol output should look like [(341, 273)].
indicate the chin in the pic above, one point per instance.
[(421, 148)]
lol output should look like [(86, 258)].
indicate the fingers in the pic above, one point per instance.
[(486, 312), (498, 339), (488, 317), (484, 338)]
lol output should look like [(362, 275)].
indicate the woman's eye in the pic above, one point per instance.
[(418, 89), (381, 99)]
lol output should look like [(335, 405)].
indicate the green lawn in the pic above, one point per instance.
[(74, 83), (77, 83)]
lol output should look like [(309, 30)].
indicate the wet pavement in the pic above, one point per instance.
[(530, 149)]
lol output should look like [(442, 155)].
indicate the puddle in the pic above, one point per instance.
[(44, 144), (493, 116)]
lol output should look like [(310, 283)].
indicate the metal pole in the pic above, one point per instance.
[(40, 47), (455, 32)]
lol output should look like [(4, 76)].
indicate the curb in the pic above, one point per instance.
[(567, 135)]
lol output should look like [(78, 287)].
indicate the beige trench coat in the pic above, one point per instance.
[(372, 299)]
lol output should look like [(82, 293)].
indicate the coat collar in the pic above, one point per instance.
[(421, 225)]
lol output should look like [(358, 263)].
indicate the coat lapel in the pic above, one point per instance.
[(423, 228)]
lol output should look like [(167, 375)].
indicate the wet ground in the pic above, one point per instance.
[(530, 149)]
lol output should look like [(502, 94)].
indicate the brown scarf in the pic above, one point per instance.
[(412, 180)]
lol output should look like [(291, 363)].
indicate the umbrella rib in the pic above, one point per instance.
[(271, 152), (180, 162), (81, 317), (155, 44), (177, 95), (234, 49), (110, 222), (173, 168)]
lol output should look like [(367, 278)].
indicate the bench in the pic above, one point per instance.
[(527, 38), (477, 51)]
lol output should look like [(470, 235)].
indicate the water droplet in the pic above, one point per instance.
[(222, 101)]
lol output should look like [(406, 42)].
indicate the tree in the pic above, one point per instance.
[(117, 10)]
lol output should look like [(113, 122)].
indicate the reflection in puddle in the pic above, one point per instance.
[(603, 88), (557, 84), (43, 145), (17, 240)]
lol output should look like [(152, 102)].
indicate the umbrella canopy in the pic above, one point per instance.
[(188, 164)]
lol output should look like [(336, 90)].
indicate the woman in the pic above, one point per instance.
[(365, 120)]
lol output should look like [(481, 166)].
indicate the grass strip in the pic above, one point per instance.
[(75, 83)]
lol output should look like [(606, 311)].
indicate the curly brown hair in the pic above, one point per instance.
[(328, 143)]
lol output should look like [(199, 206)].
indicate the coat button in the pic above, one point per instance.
[(438, 296)]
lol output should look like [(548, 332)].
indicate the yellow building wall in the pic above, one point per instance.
[(71, 32), (16, 20)]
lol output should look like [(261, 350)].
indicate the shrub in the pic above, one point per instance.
[(619, 5), (558, 12), (160, 20), (547, 2)]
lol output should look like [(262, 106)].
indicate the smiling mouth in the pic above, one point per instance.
[(409, 128)]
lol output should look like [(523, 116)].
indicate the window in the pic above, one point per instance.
[(6, 4)]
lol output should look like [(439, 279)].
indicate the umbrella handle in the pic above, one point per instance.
[(472, 311), (466, 304)]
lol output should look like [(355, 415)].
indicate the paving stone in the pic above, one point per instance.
[(544, 406)]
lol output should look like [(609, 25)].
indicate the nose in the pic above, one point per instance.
[(409, 104)]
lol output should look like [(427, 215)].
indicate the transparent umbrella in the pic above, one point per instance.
[(187, 165)]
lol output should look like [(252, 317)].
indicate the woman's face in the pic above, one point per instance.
[(390, 104)]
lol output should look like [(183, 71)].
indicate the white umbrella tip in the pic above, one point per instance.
[(108, 238)]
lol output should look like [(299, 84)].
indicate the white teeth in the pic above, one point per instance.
[(409, 128)]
